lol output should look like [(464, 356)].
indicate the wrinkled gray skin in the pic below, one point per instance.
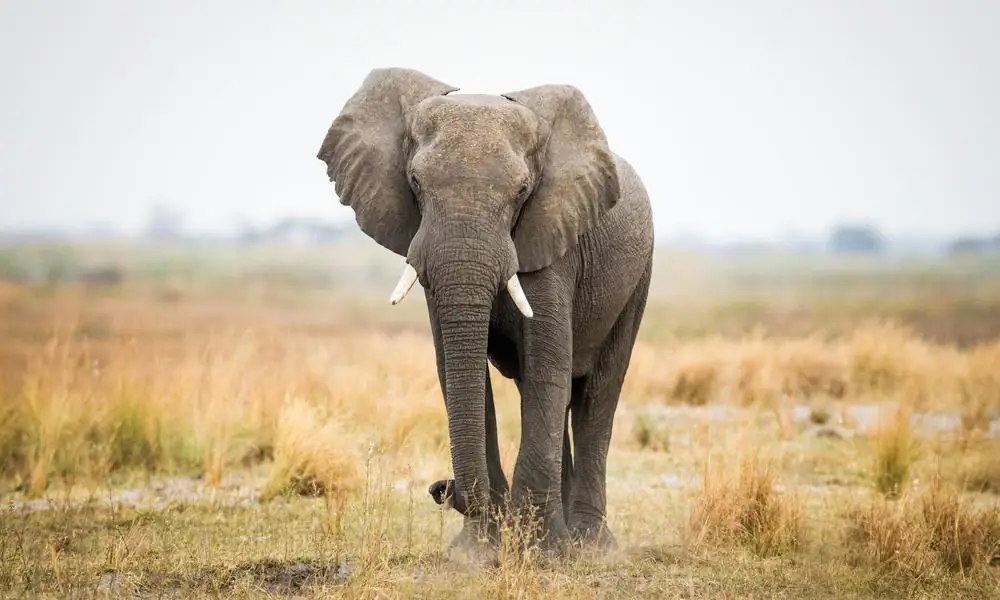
[(472, 189)]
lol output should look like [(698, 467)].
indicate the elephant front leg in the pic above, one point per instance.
[(544, 386)]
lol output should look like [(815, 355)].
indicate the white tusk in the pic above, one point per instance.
[(514, 288), (406, 281)]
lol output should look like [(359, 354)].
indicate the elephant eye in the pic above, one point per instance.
[(522, 191), (414, 182)]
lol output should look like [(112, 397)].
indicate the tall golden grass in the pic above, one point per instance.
[(210, 402), (746, 509), (83, 403), (909, 538), (877, 362)]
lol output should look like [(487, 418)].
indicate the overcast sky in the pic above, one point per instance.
[(744, 117)]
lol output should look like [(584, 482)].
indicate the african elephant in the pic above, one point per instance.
[(517, 192)]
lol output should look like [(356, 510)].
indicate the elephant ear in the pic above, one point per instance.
[(365, 154), (579, 180)]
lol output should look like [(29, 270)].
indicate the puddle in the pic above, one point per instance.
[(863, 418), (866, 417)]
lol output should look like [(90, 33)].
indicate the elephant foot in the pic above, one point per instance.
[(515, 529), (594, 538), (476, 545), (477, 542), (555, 542), (538, 528)]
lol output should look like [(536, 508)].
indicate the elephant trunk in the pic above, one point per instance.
[(463, 272), (463, 263), (463, 314)]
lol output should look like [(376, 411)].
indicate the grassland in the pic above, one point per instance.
[(196, 422)]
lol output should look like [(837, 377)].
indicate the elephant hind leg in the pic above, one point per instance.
[(592, 421)]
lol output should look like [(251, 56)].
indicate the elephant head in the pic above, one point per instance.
[(471, 190)]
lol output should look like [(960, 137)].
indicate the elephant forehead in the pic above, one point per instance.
[(453, 158), (475, 119)]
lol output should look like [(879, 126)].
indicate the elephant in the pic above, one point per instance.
[(533, 243)]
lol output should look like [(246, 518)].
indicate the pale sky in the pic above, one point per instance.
[(744, 117)]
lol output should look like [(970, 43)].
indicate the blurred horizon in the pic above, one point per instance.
[(167, 225)]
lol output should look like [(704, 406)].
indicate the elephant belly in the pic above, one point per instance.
[(502, 353), (591, 329)]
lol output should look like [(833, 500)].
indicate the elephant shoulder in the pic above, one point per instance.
[(632, 215), (630, 183)]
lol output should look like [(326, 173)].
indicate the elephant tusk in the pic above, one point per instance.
[(514, 288), (406, 281)]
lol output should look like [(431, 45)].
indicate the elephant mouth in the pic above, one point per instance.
[(409, 277)]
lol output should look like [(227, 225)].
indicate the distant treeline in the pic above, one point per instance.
[(848, 238)]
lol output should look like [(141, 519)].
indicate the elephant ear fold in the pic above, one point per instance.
[(579, 180), (365, 155)]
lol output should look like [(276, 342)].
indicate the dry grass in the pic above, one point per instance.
[(200, 443), (932, 534), (878, 362), (747, 510), (888, 537), (982, 474), (315, 455), (208, 403), (895, 449), (963, 536)]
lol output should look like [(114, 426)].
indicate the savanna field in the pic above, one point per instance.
[(260, 422)]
